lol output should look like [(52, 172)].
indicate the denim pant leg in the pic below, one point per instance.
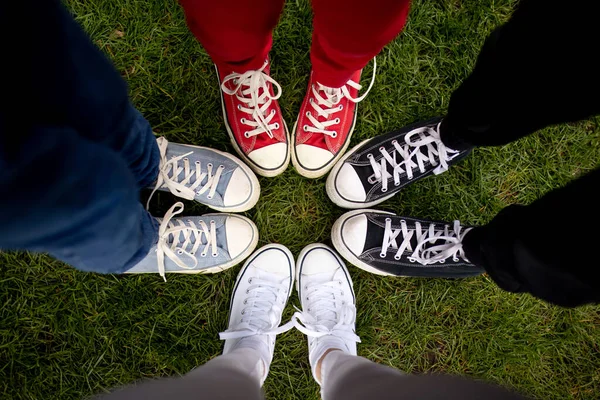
[(70, 172)]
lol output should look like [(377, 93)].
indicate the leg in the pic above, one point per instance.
[(546, 248), (231, 376), (348, 34), (526, 77), (236, 34), (350, 377), (71, 190)]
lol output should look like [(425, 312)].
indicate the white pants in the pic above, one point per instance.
[(345, 377)]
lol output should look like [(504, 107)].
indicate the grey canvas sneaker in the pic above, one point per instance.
[(211, 177), (198, 245)]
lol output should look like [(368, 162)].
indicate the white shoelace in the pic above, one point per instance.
[(328, 105), (169, 171), (325, 315), (247, 89), (175, 237), (412, 156), (452, 246), (264, 303)]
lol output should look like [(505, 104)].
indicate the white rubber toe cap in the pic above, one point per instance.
[(274, 259), (354, 233), (348, 184), (241, 233), (318, 261), (270, 157), (238, 190), (311, 157)]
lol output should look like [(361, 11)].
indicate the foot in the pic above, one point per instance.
[(198, 245), (211, 177), (261, 292), (386, 244), (253, 119), (325, 124), (378, 168), (328, 304)]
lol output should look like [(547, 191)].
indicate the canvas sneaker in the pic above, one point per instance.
[(253, 119), (261, 292), (386, 244), (378, 168), (211, 177), (328, 315), (198, 245), (325, 124)]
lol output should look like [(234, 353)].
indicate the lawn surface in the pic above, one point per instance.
[(67, 335)]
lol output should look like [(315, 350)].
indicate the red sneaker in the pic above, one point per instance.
[(253, 119), (325, 124)]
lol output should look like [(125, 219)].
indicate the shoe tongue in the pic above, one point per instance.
[(375, 234)]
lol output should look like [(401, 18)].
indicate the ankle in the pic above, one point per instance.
[(319, 367)]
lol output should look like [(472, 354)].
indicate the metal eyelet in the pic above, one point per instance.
[(308, 114), (197, 162), (215, 254), (337, 120), (179, 252), (388, 220), (369, 155), (384, 190), (250, 281), (209, 165), (239, 106), (381, 255), (341, 107), (334, 134), (305, 127), (397, 258), (186, 159), (243, 120), (276, 125), (246, 134)]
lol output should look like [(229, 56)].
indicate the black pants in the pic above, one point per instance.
[(538, 69)]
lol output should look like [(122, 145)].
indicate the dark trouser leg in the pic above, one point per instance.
[(71, 168), (532, 72), (546, 248)]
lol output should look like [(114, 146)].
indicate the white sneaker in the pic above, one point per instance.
[(328, 314), (261, 292)]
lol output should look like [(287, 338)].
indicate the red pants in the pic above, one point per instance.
[(347, 33)]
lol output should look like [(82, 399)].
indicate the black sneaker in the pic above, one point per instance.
[(386, 244), (378, 168)]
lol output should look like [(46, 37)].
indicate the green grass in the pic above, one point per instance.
[(67, 335)]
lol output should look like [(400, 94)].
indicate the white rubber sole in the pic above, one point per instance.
[(314, 174), (232, 263), (338, 243), (336, 198), (251, 202), (268, 173), (310, 247)]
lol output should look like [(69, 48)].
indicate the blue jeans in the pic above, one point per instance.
[(71, 167)]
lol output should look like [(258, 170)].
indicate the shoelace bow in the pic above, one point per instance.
[(264, 304), (193, 175), (328, 105), (325, 314), (437, 155), (174, 238), (452, 246), (252, 89)]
